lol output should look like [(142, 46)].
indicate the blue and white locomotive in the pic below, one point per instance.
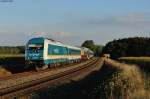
[(43, 52)]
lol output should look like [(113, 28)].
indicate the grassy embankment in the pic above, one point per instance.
[(144, 64), (127, 81), (114, 80)]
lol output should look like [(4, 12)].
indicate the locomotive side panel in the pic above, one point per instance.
[(55, 52)]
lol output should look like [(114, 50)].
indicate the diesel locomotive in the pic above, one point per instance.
[(42, 53)]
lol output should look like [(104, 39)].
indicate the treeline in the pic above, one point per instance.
[(137, 46), (97, 49), (12, 50)]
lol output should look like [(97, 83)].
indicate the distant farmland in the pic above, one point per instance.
[(11, 55), (142, 59)]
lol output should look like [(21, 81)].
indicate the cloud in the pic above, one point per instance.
[(77, 29), (61, 34), (47, 34), (37, 34), (12, 39), (132, 20)]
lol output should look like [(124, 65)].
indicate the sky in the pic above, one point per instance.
[(73, 21)]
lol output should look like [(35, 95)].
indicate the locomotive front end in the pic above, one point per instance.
[(34, 52)]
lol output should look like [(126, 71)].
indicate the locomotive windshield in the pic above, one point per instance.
[(35, 47)]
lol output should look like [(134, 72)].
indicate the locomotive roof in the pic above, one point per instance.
[(73, 47), (60, 43), (52, 40)]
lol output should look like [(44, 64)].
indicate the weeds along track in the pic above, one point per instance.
[(28, 82)]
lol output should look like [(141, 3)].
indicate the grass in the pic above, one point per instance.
[(121, 81), (144, 64)]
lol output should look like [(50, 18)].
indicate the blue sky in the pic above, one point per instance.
[(73, 21)]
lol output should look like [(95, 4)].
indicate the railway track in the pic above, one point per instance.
[(27, 83)]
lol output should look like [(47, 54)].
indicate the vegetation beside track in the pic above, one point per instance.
[(144, 64), (4, 72), (127, 81)]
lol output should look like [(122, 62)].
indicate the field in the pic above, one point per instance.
[(4, 58), (141, 59), (11, 55)]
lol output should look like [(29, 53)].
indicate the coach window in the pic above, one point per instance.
[(49, 49)]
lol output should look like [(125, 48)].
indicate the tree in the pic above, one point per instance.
[(95, 48), (88, 44), (137, 46)]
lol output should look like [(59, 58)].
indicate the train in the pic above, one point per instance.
[(42, 53), (86, 53)]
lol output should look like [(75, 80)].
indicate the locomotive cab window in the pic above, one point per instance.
[(35, 47)]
